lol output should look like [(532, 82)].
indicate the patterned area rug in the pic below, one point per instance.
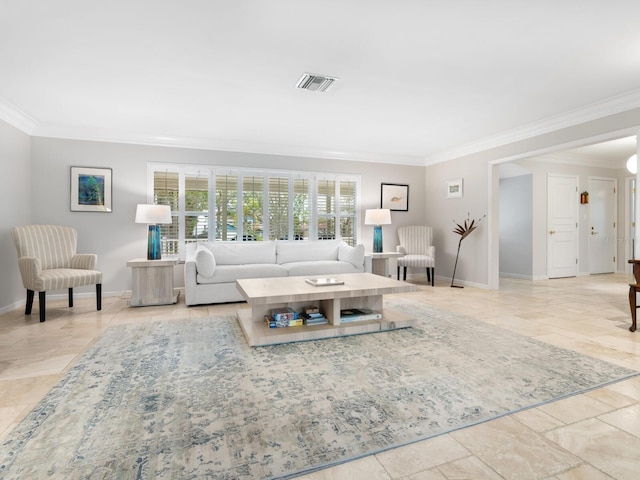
[(189, 398)]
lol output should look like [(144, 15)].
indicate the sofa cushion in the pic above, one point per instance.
[(231, 273), (205, 261), (244, 253), (353, 255), (288, 252), (322, 267)]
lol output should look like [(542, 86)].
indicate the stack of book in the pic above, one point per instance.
[(283, 317), (312, 316), (358, 315)]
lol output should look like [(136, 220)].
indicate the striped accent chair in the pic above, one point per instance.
[(416, 243), (48, 261)]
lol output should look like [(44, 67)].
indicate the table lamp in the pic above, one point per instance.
[(377, 217), (153, 215)]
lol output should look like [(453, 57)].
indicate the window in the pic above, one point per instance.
[(166, 192), (225, 204), (279, 208), (226, 208)]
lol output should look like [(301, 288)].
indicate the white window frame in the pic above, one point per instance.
[(211, 173)]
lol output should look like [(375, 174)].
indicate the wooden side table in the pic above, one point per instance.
[(380, 262), (152, 282)]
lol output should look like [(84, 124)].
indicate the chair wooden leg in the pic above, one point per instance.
[(633, 307), (433, 275), (70, 297), (398, 272), (99, 296), (41, 304), (29, 306), (404, 275), (428, 275)]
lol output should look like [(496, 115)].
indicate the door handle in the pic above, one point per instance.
[(552, 232), (592, 232)]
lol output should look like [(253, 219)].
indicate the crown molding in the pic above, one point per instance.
[(594, 111), (628, 101), (577, 159), (116, 136), (16, 117)]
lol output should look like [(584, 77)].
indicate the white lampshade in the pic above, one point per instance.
[(632, 164), (377, 216), (153, 214)]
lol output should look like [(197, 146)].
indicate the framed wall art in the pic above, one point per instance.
[(454, 188), (395, 197), (90, 189)]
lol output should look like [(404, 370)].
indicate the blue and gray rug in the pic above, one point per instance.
[(189, 399)]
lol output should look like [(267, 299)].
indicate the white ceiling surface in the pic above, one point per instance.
[(418, 80)]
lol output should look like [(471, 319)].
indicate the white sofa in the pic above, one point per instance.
[(212, 268)]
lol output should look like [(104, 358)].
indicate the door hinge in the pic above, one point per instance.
[(614, 224), (614, 259), (614, 189), (576, 261)]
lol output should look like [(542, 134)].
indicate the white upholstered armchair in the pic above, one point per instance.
[(48, 261), (416, 243)]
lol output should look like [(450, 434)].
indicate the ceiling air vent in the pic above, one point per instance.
[(315, 83)]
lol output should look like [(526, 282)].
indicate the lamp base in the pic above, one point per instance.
[(377, 239), (154, 244)]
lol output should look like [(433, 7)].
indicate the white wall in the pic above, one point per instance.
[(516, 226), (116, 238), (442, 212), (477, 166), (15, 209), (540, 171)]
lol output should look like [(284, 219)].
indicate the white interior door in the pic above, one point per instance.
[(602, 228), (562, 226)]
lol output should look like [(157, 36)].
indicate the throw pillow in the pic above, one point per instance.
[(205, 261), (353, 255)]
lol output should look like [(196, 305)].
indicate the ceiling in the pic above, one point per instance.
[(418, 80)]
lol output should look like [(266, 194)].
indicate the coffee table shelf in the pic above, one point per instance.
[(360, 290)]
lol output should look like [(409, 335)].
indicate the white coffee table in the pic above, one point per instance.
[(360, 290)]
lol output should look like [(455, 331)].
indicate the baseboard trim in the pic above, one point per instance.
[(516, 275)]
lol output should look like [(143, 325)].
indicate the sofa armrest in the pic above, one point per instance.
[(401, 249), (190, 276), (368, 263), (84, 261)]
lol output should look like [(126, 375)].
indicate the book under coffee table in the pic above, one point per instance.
[(360, 290)]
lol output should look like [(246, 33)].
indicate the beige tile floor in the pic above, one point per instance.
[(591, 436)]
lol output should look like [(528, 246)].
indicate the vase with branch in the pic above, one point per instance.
[(464, 230)]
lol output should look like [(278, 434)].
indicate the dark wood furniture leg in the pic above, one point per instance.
[(99, 296), (41, 304), (633, 289), (27, 309), (633, 307), (70, 297)]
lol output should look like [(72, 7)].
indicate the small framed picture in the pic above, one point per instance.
[(454, 188), (90, 189), (395, 197)]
